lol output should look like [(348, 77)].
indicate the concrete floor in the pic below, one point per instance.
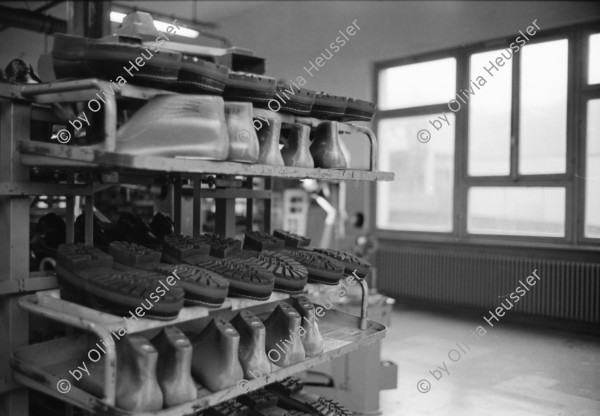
[(511, 370)]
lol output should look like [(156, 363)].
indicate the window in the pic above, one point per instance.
[(594, 59), (489, 120), (421, 196), (543, 108), (417, 84), (517, 211), (592, 174), (494, 142)]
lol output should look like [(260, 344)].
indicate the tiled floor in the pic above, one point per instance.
[(511, 370)]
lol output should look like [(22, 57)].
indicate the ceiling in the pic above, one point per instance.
[(203, 11), (207, 11)]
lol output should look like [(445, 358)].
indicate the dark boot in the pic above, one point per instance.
[(162, 225)]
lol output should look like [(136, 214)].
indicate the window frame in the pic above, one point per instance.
[(578, 93)]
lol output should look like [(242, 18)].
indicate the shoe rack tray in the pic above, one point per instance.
[(35, 153), (42, 366)]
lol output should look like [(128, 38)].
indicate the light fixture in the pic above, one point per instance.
[(118, 17)]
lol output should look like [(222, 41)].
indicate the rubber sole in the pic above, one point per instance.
[(80, 291), (352, 264), (321, 268), (201, 286)]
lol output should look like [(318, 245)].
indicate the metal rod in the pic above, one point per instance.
[(70, 218), (364, 307), (249, 205), (89, 220), (374, 146), (197, 217), (177, 203), (268, 204)]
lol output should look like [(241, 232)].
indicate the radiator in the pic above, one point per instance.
[(566, 290)]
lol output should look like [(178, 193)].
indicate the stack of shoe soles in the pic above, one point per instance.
[(87, 276), (285, 398), (151, 375), (199, 119), (291, 396)]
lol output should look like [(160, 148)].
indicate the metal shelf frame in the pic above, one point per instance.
[(18, 104)]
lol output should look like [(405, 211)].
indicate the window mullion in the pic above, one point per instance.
[(514, 125), (461, 155)]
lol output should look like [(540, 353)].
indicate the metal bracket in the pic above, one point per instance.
[(32, 284), (364, 307)]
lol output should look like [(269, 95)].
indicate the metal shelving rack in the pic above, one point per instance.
[(18, 106)]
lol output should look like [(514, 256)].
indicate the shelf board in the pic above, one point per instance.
[(62, 156), (42, 366), (50, 304)]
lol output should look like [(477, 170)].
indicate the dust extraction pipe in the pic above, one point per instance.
[(31, 20)]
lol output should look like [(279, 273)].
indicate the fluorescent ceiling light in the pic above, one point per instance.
[(160, 25)]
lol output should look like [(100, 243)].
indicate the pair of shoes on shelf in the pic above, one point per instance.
[(201, 286), (150, 374), (86, 275), (350, 262), (320, 268), (245, 279)]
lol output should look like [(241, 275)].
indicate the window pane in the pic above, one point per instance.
[(592, 171), (594, 60), (420, 197), (543, 112), (489, 116), (413, 85), (517, 211)]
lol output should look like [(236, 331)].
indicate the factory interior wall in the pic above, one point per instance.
[(290, 34)]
